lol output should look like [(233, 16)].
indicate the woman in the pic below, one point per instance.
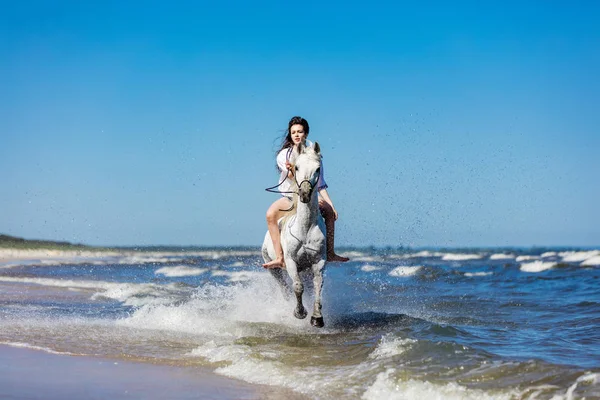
[(296, 133)]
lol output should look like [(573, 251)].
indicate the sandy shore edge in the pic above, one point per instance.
[(34, 374)]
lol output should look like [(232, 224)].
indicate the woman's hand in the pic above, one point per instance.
[(290, 168), (335, 214)]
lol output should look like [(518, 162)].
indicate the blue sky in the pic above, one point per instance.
[(441, 124)]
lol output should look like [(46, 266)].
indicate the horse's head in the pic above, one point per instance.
[(307, 169)]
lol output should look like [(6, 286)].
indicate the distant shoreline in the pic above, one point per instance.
[(13, 242), (17, 243)]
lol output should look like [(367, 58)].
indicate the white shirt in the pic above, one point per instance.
[(284, 156)]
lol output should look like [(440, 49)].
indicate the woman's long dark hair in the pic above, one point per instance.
[(287, 139)]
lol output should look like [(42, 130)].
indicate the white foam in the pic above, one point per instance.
[(426, 253), (58, 282), (353, 254), (10, 253), (405, 271), (133, 294), (420, 254), (180, 270), (33, 347), (537, 266), (15, 257), (388, 387), (147, 259), (370, 268), (243, 366), (243, 363), (471, 274), (367, 259), (186, 318), (390, 346), (139, 294), (219, 353), (589, 378), (237, 264), (591, 261), (578, 256), (501, 256), (238, 276), (549, 254), (460, 257), (526, 258), (223, 310)]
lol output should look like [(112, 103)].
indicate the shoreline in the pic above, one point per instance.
[(27, 373), (9, 255)]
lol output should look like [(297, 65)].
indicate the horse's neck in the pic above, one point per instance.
[(307, 213)]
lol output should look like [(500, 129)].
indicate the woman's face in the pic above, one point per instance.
[(297, 133)]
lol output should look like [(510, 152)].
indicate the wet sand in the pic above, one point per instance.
[(33, 374)]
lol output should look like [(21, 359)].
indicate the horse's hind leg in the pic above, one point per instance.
[(317, 317), (292, 268), (279, 276)]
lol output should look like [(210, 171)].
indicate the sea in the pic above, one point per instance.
[(492, 323)]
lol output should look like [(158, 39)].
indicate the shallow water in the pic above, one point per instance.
[(462, 324)]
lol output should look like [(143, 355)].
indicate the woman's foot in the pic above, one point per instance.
[(335, 258), (276, 263)]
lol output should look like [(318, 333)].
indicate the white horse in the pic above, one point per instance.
[(302, 236)]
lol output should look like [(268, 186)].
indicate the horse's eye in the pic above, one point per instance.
[(296, 168), (318, 170)]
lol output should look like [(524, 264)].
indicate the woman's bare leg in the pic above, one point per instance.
[(329, 217), (274, 213)]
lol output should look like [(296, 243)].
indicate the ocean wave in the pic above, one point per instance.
[(578, 256), (58, 282), (237, 264), (244, 362), (526, 258), (461, 257), (224, 311), (370, 268), (472, 274), (537, 266), (420, 254), (391, 346), (39, 348), (353, 254), (131, 294), (405, 271), (367, 259), (147, 259), (238, 276), (501, 256), (180, 270), (591, 261), (387, 386)]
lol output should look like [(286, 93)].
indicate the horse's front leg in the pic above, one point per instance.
[(280, 278), (292, 269), (317, 317)]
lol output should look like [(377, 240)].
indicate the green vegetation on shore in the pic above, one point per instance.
[(13, 242)]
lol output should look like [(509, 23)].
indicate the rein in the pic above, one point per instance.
[(272, 189)]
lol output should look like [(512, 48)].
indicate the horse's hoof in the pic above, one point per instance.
[(318, 322), (300, 314)]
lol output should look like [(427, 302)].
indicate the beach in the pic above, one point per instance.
[(27, 372), (210, 323), (36, 374)]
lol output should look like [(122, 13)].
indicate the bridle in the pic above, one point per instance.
[(272, 189)]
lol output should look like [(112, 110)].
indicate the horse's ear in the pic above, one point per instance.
[(317, 148), (301, 148)]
